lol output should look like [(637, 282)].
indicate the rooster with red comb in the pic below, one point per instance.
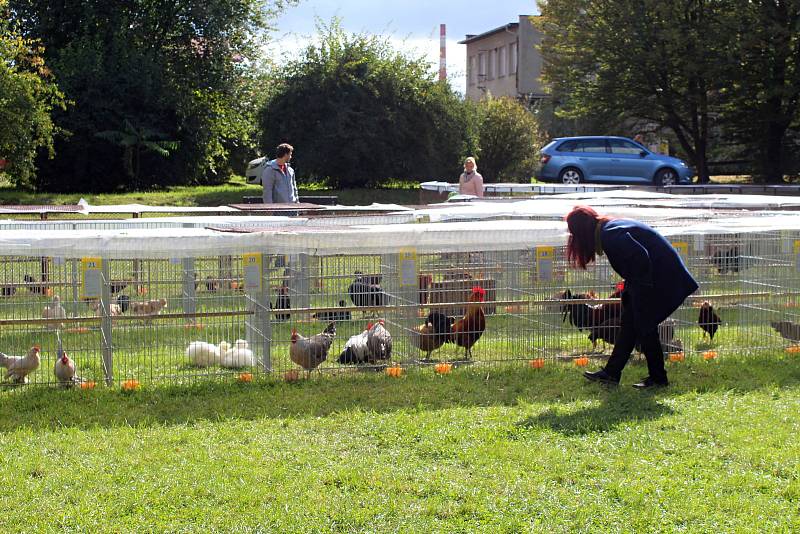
[(468, 330)]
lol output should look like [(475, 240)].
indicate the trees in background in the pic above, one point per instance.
[(701, 69), (509, 138), (179, 69), (358, 112), (762, 99), (28, 96)]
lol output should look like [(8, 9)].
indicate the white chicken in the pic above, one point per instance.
[(355, 350), (203, 354), (54, 310), (237, 356), (19, 367), (65, 371)]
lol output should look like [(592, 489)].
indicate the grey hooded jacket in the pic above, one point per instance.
[(278, 187)]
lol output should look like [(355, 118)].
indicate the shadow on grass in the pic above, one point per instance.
[(616, 408), (554, 386)]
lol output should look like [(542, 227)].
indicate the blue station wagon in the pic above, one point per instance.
[(573, 160)]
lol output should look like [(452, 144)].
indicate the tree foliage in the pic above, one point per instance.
[(509, 140), (763, 98), (664, 62), (28, 95), (179, 68), (358, 112)]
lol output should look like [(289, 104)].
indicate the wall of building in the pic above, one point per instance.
[(512, 62), (530, 58), (497, 73)]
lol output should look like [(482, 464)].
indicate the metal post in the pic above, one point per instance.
[(189, 293), (75, 288), (259, 326), (105, 323)]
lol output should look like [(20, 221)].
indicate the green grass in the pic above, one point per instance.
[(499, 449), (231, 192)]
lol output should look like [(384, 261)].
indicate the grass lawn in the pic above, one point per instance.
[(487, 449), (231, 192)]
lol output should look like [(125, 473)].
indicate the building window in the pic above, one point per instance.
[(481, 66), (512, 58), (472, 70), (502, 62), (493, 64)]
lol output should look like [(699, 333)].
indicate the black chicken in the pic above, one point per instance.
[(727, 260), (787, 329), (365, 293), (708, 319), (337, 315), (602, 320), (282, 303)]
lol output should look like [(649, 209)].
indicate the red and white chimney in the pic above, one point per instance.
[(442, 52)]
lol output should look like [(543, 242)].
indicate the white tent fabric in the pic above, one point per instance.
[(317, 239)]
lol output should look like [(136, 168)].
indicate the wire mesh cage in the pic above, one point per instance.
[(197, 304)]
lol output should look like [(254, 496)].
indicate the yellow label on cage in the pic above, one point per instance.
[(682, 247), (545, 257), (407, 261), (91, 277), (252, 266)]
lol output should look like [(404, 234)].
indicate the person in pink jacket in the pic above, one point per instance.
[(470, 182)]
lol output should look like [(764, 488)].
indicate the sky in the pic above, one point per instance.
[(411, 25)]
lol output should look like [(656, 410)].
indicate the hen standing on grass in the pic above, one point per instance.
[(708, 319), (468, 330), (54, 310), (379, 342), (309, 352), (19, 367), (433, 334), (355, 350)]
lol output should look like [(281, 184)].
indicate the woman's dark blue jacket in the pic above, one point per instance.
[(656, 279)]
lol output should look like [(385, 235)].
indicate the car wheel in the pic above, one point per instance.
[(570, 176), (666, 177)]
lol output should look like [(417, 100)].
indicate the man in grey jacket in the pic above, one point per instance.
[(277, 177)]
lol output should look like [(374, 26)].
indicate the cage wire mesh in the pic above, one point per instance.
[(246, 314)]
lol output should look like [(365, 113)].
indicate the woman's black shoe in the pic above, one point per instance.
[(602, 377), (649, 383)]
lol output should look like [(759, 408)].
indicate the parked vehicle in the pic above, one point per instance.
[(574, 160), (254, 169)]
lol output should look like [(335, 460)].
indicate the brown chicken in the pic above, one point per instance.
[(148, 307), (708, 319), (309, 352), (433, 334), (468, 330), (19, 367)]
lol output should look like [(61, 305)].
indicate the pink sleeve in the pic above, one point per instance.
[(478, 185)]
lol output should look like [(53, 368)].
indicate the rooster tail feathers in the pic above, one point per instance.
[(330, 329)]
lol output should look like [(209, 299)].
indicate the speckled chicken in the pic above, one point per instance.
[(379, 342), (309, 352)]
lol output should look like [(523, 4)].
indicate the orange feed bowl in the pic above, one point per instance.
[(709, 355), (88, 385), (130, 385), (538, 363), (582, 361), (394, 372), (443, 368), (245, 377), (793, 349), (676, 357)]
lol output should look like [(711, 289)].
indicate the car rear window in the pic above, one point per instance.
[(568, 146)]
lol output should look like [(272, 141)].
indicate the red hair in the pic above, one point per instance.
[(582, 222)]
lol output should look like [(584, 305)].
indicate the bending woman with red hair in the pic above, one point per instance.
[(656, 284)]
